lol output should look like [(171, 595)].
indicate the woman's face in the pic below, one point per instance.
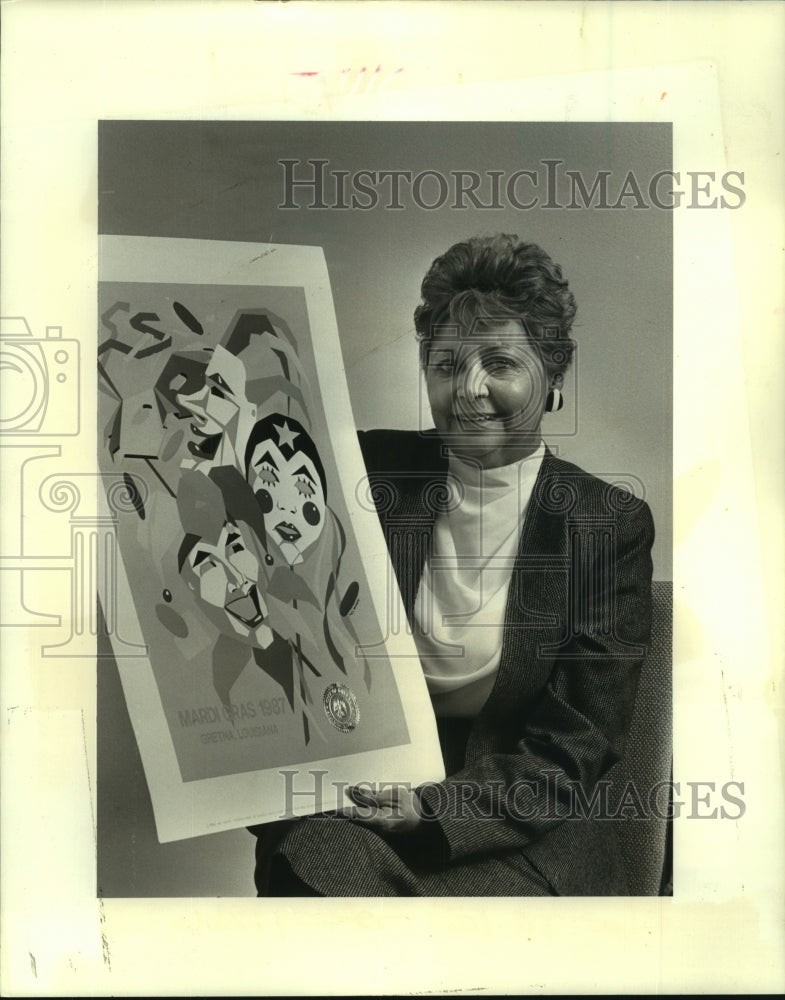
[(290, 495), (487, 392)]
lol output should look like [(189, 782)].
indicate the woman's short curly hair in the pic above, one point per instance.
[(488, 279)]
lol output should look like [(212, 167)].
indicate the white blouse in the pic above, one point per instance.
[(461, 601)]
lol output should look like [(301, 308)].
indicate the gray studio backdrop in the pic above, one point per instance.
[(226, 181)]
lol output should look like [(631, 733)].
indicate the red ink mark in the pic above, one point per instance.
[(349, 70), (663, 95)]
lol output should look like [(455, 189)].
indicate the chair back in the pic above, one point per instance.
[(647, 765)]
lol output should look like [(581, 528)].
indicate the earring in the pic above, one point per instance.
[(554, 400)]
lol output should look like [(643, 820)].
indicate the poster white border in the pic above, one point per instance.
[(193, 808)]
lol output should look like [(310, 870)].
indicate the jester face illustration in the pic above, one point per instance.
[(220, 404), (224, 574), (287, 477), (219, 559)]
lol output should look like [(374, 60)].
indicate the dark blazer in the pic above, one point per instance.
[(576, 629)]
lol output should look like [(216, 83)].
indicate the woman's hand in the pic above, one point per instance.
[(393, 809)]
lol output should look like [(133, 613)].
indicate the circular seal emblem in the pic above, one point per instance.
[(340, 707)]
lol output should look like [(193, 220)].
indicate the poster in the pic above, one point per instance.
[(230, 582), (711, 70)]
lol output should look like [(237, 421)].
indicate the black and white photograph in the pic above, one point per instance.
[(391, 445), (526, 579)]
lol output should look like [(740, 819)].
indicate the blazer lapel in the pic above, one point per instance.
[(411, 501), (537, 598), (411, 535)]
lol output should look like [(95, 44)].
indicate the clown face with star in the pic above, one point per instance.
[(286, 474)]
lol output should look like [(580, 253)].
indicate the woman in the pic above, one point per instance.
[(527, 583)]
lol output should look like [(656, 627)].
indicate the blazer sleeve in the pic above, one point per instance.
[(574, 730)]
